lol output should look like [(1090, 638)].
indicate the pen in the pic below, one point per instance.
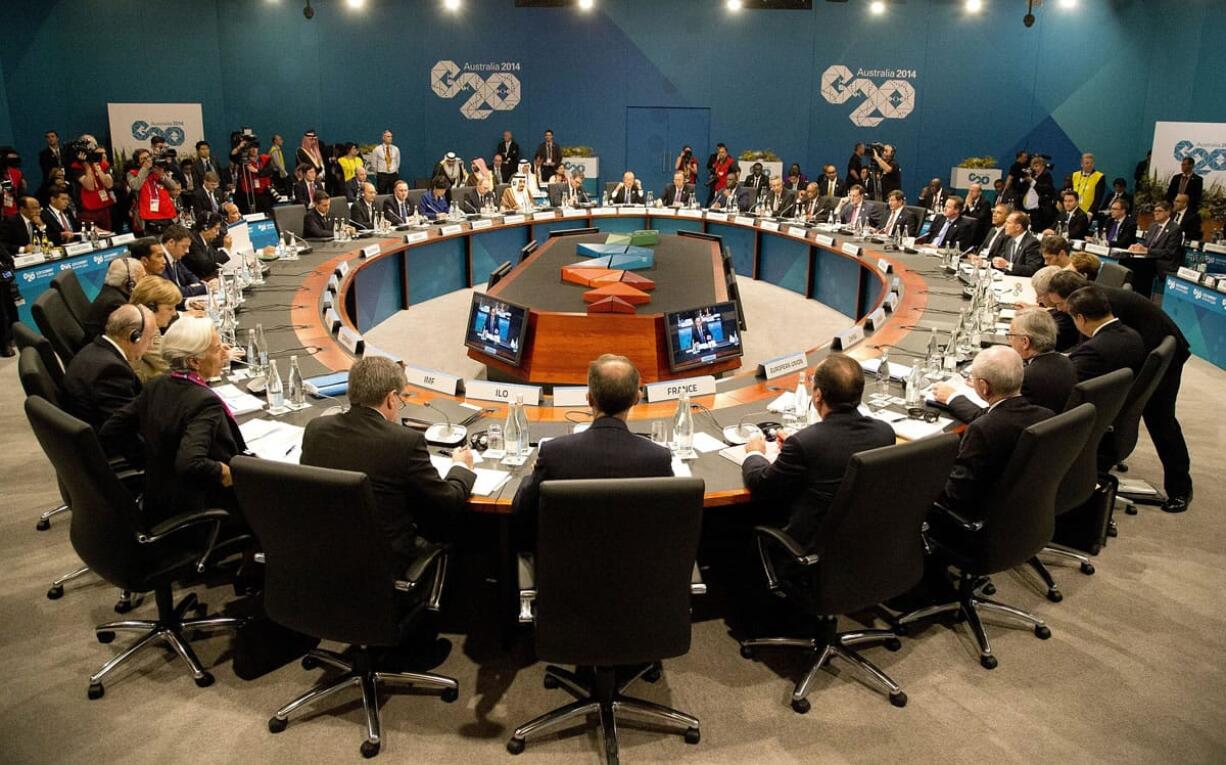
[(291, 449)]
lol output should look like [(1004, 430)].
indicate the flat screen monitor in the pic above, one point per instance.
[(497, 328), (701, 336)]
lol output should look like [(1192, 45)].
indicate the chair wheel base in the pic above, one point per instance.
[(1112, 531), (449, 695), (123, 606), (988, 662), (893, 644), (43, 524), (370, 749), (1042, 632), (205, 680), (1087, 569), (692, 735), (105, 636), (653, 675), (1054, 595), (96, 691), (1131, 509), (801, 706), (276, 724), (747, 652), (515, 746), (989, 589), (898, 699), (550, 682), (309, 662), (55, 593), (1095, 549)]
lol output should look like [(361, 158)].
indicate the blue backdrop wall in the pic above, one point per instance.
[(1092, 79)]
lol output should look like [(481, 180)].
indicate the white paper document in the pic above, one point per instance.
[(239, 401), (738, 454), (272, 440), (488, 481), (704, 442), (897, 371)]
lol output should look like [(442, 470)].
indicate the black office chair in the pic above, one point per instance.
[(1121, 439), (870, 549), (496, 275), (1106, 393), (338, 207), (1113, 275), (415, 196), (609, 186), (329, 574), (32, 376), (289, 217), (28, 338), (58, 325), (1016, 523), (110, 535), (498, 189), (613, 574), (66, 283), (458, 193), (555, 192)]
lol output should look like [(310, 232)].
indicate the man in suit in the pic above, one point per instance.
[(899, 219), (809, 201), (204, 165), (1153, 325), (628, 192), (1187, 182), (1072, 221), (1119, 229), (1110, 344), (1020, 254), (571, 194), (949, 229), (18, 231), (1186, 219), (988, 442), (780, 202), (854, 210), (830, 186), (757, 181), (1067, 336), (1161, 251), (678, 193), (548, 156), (607, 449), (53, 156), (977, 206), (207, 248), (362, 211), (353, 187), (995, 238), (1119, 193), (509, 150), (932, 197), (121, 277), (309, 188), (177, 242), (733, 198), (61, 224), (411, 500), (207, 197), (315, 224), (1048, 376), (397, 208), (804, 478), (99, 380)]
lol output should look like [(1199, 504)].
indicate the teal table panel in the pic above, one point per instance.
[(673, 225), (377, 291), (491, 247), (836, 282), (739, 242), (90, 269), (621, 225), (540, 231), (1201, 316), (784, 262), (436, 269), (263, 233)]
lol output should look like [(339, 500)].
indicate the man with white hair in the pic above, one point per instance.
[(1048, 376), (628, 192), (100, 379), (987, 444), (121, 276)]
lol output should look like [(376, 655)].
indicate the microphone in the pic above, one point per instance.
[(741, 432), (352, 222), (444, 434), (313, 390)]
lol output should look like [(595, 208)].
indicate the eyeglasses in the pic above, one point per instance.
[(920, 413)]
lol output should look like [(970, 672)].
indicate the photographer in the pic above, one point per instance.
[(91, 174), (254, 174), (885, 174), (12, 182), (169, 157), (150, 181), (719, 165), (688, 164), (1037, 193)]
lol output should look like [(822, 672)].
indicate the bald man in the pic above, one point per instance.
[(100, 379), (362, 212)]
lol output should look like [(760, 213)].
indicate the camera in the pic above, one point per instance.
[(244, 138), (85, 151)]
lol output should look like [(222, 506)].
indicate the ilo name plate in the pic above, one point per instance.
[(847, 338), (484, 390), (768, 225), (123, 239), (1191, 274), (432, 379), (351, 341), (783, 365), (79, 248), (451, 230), (690, 213), (717, 216), (851, 249), (743, 220), (672, 389), (876, 318), (416, 236), (574, 395), (884, 265), (573, 212), (332, 319), (370, 250), (342, 269), (824, 240), (1098, 249)]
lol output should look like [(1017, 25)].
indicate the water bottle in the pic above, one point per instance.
[(650, 199), (297, 391), (525, 439), (274, 390), (914, 385), (933, 362), (800, 404), (683, 427), (604, 198), (212, 308), (510, 432), (883, 372), (253, 352), (261, 349), (336, 230)]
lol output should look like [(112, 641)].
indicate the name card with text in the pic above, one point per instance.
[(743, 220), (351, 341), (80, 248), (547, 215), (342, 269), (122, 239), (847, 338), (1097, 249), (371, 250), (884, 265), (512, 219), (798, 232), (664, 212), (603, 211), (334, 282), (416, 236), (484, 390), (1191, 274), (327, 301), (481, 223), (432, 379), (1220, 249), (21, 261), (783, 365), (575, 395), (717, 216), (851, 249), (689, 213), (891, 301), (632, 210), (672, 389), (332, 320), (573, 212), (768, 225), (876, 318), (250, 217), (824, 239), (451, 230)]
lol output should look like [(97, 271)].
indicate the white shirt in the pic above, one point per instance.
[(380, 156), (1105, 323)]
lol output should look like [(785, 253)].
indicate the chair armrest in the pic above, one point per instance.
[(433, 558), (213, 516), (525, 572), (958, 519), (768, 536), (697, 586)]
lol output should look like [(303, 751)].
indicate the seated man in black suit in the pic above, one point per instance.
[(678, 193), (100, 380), (995, 237), (804, 478), (1019, 254), (855, 211), (62, 226), (1067, 336), (207, 252), (177, 243), (18, 231), (206, 198), (353, 186), (315, 224), (628, 192), (733, 198), (780, 202), (987, 444), (570, 195), (1110, 344), (1119, 229), (607, 449), (410, 497), (830, 187), (122, 274), (899, 220), (1048, 376), (978, 207), (397, 208), (949, 229), (1071, 221), (362, 211), (1161, 251)]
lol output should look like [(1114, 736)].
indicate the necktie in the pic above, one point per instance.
[(1183, 184), (1115, 225), (1012, 252), (1154, 234), (889, 229), (64, 222), (387, 158), (403, 214), (677, 199), (941, 236)]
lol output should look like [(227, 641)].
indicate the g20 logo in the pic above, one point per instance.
[(892, 99), (143, 131), (1205, 159), (498, 93), (29, 276), (978, 178)]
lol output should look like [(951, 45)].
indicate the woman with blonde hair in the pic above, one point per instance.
[(160, 296)]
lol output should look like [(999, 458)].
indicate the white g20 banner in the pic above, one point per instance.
[(589, 165), (132, 125), (498, 92), (1204, 142), (893, 99)]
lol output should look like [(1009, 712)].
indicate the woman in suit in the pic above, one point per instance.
[(179, 429)]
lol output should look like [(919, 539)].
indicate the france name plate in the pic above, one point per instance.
[(672, 389)]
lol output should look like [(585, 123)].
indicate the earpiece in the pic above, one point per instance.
[(135, 335), (129, 281)]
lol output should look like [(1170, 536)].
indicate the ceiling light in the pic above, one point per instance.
[(355, 4), (733, 5), (974, 6), (1068, 3), (877, 7), (586, 5), (451, 5)]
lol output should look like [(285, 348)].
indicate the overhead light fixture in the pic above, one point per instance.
[(974, 6), (1068, 3), (733, 5), (355, 4), (877, 7), (587, 5), (451, 5)]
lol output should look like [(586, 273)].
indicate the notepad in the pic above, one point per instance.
[(272, 440), (738, 454), (239, 401), (487, 483)]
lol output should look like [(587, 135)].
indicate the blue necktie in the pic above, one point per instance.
[(1115, 225), (941, 236)]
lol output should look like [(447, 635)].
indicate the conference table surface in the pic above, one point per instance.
[(290, 307)]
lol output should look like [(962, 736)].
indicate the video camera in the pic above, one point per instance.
[(85, 151), (243, 138)]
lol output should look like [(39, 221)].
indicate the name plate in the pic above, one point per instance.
[(798, 232), (327, 301), (547, 215), (510, 219), (664, 212), (78, 248), (783, 365), (712, 215), (1191, 274), (1221, 285), (351, 341), (342, 270), (891, 301), (254, 217), (370, 250), (768, 225), (672, 389), (484, 390), (332, 319), (334, 283), (884, 265), (21, 261), (847, 338), (1210, 282), (451, 230), (851, 249), (743, 220), (1220, 249), (573, 212), (824, 239), (432, 380), (123, 239), (603, 211), (575, 395), (1078, 244), (416, 236), (689, 213), (1097, 249), (876, 318), (632, 210)]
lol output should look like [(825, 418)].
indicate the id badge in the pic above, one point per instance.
[(154, 202), (104, 195)]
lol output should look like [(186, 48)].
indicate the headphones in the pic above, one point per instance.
[(129, 281), (479, 441), (135, 335)]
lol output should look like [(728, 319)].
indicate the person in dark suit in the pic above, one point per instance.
[(398, 208), (207, 198), (995, 238), (1036, 194), (53, 156), (628, 192), (362, 211), (1186, 220), (179, 430), (804, 478), (830, 186), (1118, 193), (17, 231), (678, 193), (1110, 344), (977, 206), (989, 440), (204, 165), (60, 223), (607, 449), (899, 219), (572, 193), (780, 201), (732, 198), (353, 186), (204, 257), (547, 157), (307, 190), (1119, 229), (509, 150), (1187, 182), (932, 197), (1072, 222), (757, 181), (854, 209), (1159, 253), (177, 242), (121, 277), (100, 380), (950, 229), (1020, 254), (316, 224), (1048, 376), (410, 497)]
